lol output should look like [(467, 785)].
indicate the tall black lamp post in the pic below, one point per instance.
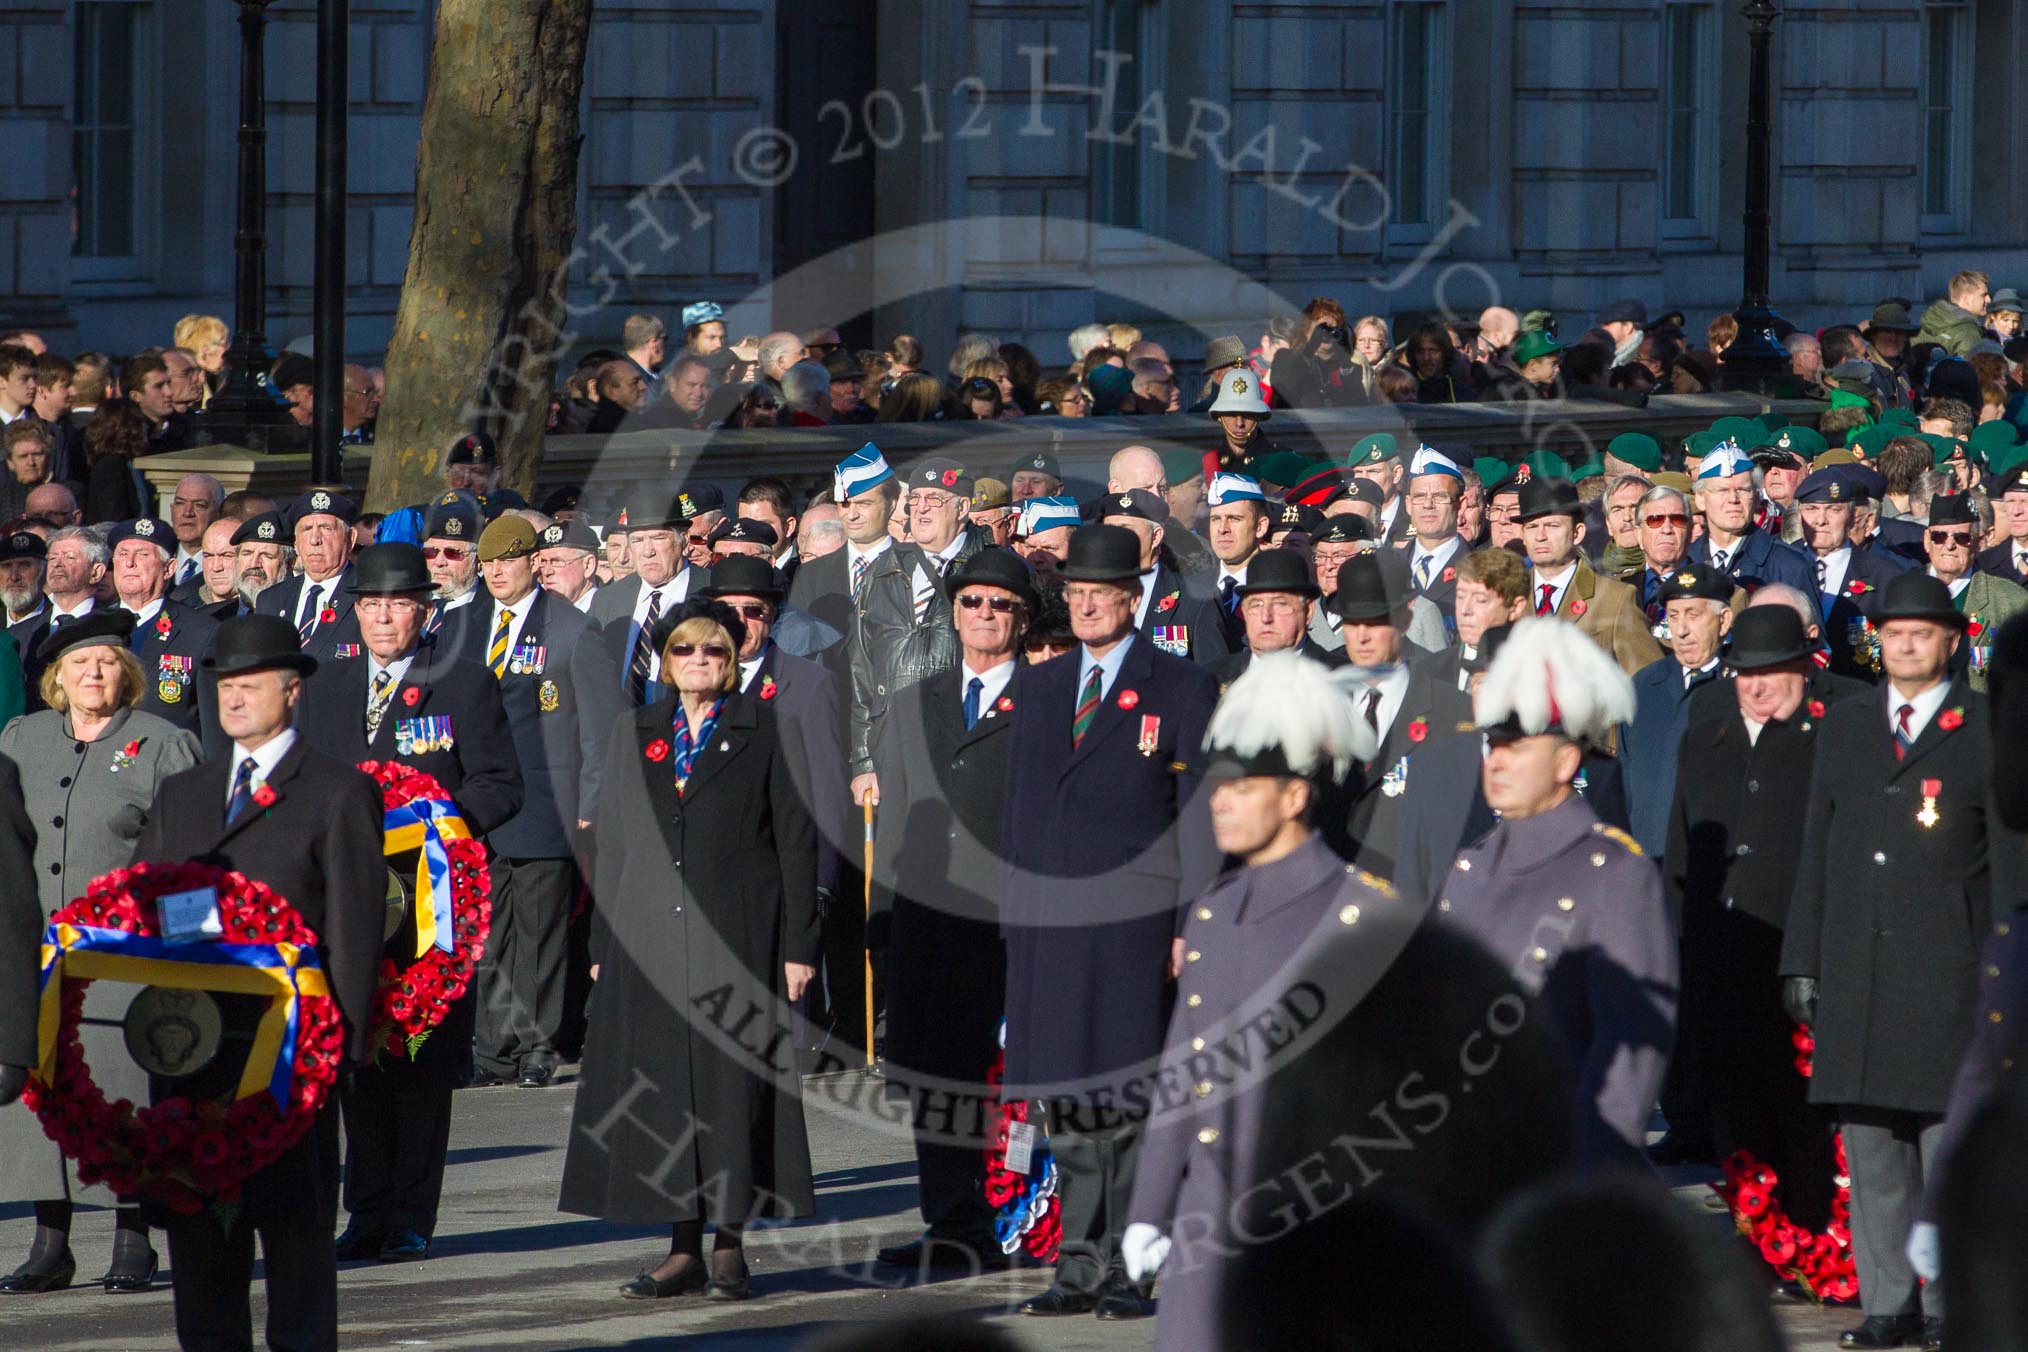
[(328, 323), (1756, 359), (247, 412)]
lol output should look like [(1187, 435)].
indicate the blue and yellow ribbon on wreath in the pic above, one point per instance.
[(284, 973), (424, 824)]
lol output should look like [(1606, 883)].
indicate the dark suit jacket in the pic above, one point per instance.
[(1647, 748), (1103, 845), (806, 704), (822, 588), (1759, 559), (174, 686), (1848, 616), (612, 614), (1999, 561), (1888, 913), (1443, 583), (1187, 612), (560, 708), (1230, 669), (479, 769), (319, 846), (20, 924), (342, 631), (1368, 830)]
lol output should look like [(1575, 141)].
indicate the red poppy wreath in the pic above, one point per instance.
[(453, 905), (185, 1153)]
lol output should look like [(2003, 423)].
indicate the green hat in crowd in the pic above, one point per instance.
[(1539, 320), (1545, 463), (1374, 450), (2003, 461), (1991, 439), (1772, 421), (1180, 465), (1535, 343), (1698, 445), (1747, 432), (1900, 417), (1593, 468), (1638, 449), (1283, 467), (1942, 448), (1871, 441), (1491, 469), (1806, 442)]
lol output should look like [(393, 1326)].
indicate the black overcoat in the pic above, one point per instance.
[(1887, 913), (1368, 831), (806, 699), (318, 845), (338, 637), (171, 645), (20, 924), (689, 1104)]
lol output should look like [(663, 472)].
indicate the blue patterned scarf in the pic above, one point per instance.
[(687, 747)]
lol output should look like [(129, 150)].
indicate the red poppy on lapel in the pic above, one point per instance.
[(1167, 603), (326, 615), (1006, 703), (1950, 720), (1816, 707), (657, 751), (1128, 699), (132, 748), (1858, 588), (1450, 575), (1973, 628), (1577, 606), (767, 690), (410, 696), (1418, 730), (163, 624), (264, 796)]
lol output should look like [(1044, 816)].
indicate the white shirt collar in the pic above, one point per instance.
[(1834, 565), (1109, 665), (145, 613), (991, 682), (265, 758), (1560, 581), (853, 553), (397, 669), (1238, 575), (1958, 587), (84, 608), (1926, 705), (950, 551), (1393, 688), (584, 600), (1438, 555), (672, 593), (1147, 596)]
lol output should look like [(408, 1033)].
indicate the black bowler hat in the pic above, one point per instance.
[(1547, 495), (1371, 586), (1280, 570), (257, 643), (697, 607), (744, 575), (1694, 580), (1767, 636), (656, 509), (1103, 554), (1917, 596), (107, 624), (390, 570), (994, 568)]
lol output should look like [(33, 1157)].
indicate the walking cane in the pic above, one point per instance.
[(867, 805)]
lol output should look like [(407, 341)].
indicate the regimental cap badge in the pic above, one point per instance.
[(1126, 499), (320, 502), (144, 528), (266, 530), (1686, 578), (1783, 440), (448, 498), (683, 504), (1040, 462), (1291, 514), (1238, 385), (1836, 489), (453, 526), (552, 535)]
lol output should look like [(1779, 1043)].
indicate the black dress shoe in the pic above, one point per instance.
[(486, 1079), (731, 1285), (404, 1245), (647, 1286), (535, 1075), (1884, 1330), (35, 1278), (1932, 1333), (357, 1241), (1120, 1302), (120, 1281), (1060, 1300)]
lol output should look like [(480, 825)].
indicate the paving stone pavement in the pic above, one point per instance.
[(509, 1271)]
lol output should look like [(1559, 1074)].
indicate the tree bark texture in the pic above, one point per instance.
[(476, 330)]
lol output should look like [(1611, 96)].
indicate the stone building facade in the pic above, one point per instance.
[(1023, 166)]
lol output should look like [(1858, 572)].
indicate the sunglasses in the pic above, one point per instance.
[(1960, 538), (999, 605), (1654, 519), (454, 553), (752, 610), (717, 652)]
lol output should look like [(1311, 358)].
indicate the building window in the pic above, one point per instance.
[(1416, 96), (1946, 98), (1686, 92), (109, 135), (1119, 175)]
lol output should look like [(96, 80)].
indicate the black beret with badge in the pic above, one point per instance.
[(319, 502), (1137, 503), (265, 529), (745, 530), (152, 529), (1695, 580), (571, 534), (23, 544), (940, 472), (454, 516), (1298, 516)]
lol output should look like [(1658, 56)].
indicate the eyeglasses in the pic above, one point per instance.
[(717, 652), (448, 553), (697, 541), (1654, 520), (999, 605), (752, 610), (1960, 538)]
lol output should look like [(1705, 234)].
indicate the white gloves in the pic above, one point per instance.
[(1925, 1255), (1143, 1248)]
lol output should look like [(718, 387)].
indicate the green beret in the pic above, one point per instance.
[(1806, 442), (1941, 448), (1772, 421), (1638, 449), (1547, 464), (1991, 439), (1535, 343), (1180, 465), (1871, 441), (1593, 468), (1698, 444), (1283, 467), (1491, 469), (2005, 460), (1900, 417), (1374, 450), (1745, 431)]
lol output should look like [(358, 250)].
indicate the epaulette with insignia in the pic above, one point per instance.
[(1467, 725), (1614, 833), (1372, 880)]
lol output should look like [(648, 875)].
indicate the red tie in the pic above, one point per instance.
[(1903, 738), (1548, 601)]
